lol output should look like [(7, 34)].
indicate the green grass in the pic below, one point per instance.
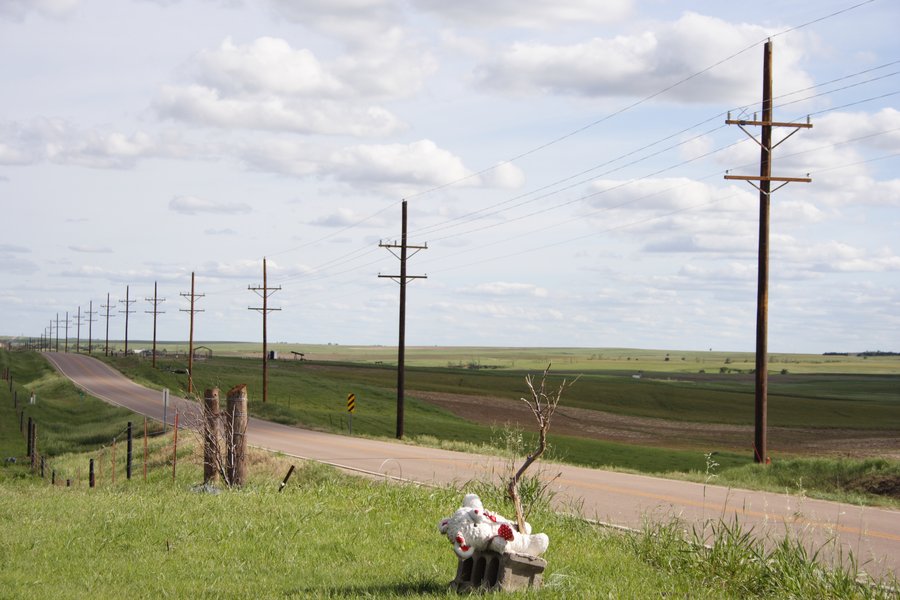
[(329, 535), (334, 536), (840, 479), (314, 395)]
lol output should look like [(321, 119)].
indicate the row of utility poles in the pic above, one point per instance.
[(401, 250), (47, 340)]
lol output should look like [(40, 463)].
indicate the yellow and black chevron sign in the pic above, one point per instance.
[(351, 403)]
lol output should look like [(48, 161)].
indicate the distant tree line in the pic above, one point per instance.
[(866, 353)]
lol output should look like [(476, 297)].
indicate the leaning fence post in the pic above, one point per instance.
[(211, 456), (175, 446), (128, 456), (28, 434), (91, 480), (42, 467), (145, 449), (15, 398), (236, 435)]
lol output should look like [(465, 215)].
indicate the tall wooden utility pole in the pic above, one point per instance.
[(193, 297), (67, 331), (78, 332), (155, 301), (127, 312), (765, 179), (108, 314), (264, 292), (90, 319), (56, 323), (402, 279)]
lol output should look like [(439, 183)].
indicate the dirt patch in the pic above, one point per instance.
[(858, 443)]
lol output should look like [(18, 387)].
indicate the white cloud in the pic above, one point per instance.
[(207, 106), (503, 288), (192, 205), (342, 217), (91, 249), (504, 176), (420, 163), (354, 21), (63, 142), (537, 14), (17, 10), (266, 65), (644, 63)]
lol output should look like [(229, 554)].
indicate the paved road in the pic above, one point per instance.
[(872, 534)]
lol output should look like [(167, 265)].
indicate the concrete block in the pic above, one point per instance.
[(488, 571)]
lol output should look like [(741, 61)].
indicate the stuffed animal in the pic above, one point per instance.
[(473, 528)]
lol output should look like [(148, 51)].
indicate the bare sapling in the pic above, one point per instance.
[(542, 404)]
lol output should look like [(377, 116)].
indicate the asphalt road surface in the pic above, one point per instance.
[(619, 499)]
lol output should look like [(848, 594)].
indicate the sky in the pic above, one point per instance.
[(562, 161)]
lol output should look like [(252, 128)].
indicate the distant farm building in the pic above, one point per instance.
[(202, 352)]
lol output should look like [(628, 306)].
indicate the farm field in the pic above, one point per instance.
[(658, 423), (615, 360)]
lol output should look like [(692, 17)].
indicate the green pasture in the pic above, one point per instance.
[(855, 401), (333, 536), (314, 395), (583, 360)]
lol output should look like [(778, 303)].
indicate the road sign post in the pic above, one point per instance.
[(351, 408)]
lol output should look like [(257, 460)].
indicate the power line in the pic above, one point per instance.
[(155, 301), (192, 296), (127, 312), (264, 292)]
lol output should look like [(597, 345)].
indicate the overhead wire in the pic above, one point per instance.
[(315, 272)]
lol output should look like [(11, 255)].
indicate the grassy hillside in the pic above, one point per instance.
[(326, 536)]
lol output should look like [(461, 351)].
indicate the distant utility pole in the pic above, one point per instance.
[(402, 279), (50, 348), (193, 297), (90, 319), (78, 332), (108, 314), (264, 292), (156, 302), (765, 179), (67, 331), (127, 302)]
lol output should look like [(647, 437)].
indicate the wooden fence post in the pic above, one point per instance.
[(112, 462), (128, 453), (145, 449), (211, 457), (91, 480), (28, 435), (236, 435), (33, 446), (175, 446)]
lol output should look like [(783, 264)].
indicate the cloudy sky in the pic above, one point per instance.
[(562, 160)]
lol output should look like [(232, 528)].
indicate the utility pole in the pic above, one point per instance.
[(127, 312), (764, 185), (90, 319), (155, 301), (402, 279), (67, 332), (264, 292), (57, 331), (78, 332), (192, 310), (107, 306)]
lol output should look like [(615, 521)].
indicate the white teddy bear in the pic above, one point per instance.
[(473, 528)]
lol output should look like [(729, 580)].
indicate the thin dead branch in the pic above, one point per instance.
[(542, 404)]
